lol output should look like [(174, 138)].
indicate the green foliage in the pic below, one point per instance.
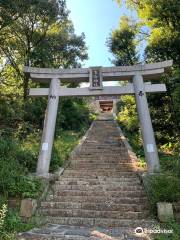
[(127, 115), (2, 216), (158, 25), (163, 19), (38, 33), (14, 162), (163, 188), (63, 146), (3, 234), (18, 153), (134, 138), (122, 43), (10, 223), (170, 163), (170, 226), (14, 183), (17, 158), (74, 114), (13, 222), (93, 116)]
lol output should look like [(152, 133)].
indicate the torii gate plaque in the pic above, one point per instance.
[(95, 75)]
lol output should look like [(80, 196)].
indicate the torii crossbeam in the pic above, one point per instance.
[(96, 76)]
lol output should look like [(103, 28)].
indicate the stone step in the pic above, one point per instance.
[(100, 168), (99, 179), (102, 161), (100, 158), (118, 147), (104, 187), (67, 232), (101, 222), (93, 213), (100, 143), (109, 164), (103, 158), (112, 179), (106, 173), (83, 175), (95, 182), (112, 161), (104, 148), (134, 193), (100, 199), (91, 152), (104, 206), (102, 154), (104, 145), (92, 167), (111, 136)]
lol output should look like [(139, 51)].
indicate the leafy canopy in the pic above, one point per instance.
[(122, 43)]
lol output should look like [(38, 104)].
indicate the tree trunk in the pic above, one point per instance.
[(25, 87)]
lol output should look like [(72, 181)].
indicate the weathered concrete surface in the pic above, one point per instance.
[(106, 91), (153, 70), (48, 129), (165, 211), (149, 143), (28, 207), (60, 232)]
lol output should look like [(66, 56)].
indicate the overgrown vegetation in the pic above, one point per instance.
[(169, 226), (10, 223)]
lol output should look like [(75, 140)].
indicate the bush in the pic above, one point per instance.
[(127, 115), (13, 171), (170, 163), (22, 153), (63, 145), (170, 226), (13, 222), (73, 115), (10, 223), (162, 188), (13, 181)]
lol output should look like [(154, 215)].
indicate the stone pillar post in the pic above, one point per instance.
[(115, 106), (48, 129), (98, 106), (149, 143)]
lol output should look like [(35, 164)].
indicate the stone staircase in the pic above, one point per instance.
[(100, 188)]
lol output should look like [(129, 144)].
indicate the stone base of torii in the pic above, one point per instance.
[(96, 75)]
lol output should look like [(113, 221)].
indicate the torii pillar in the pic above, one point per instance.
[(48, 129), (149, 142)]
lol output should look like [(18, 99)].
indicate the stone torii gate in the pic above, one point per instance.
[(96, 75)]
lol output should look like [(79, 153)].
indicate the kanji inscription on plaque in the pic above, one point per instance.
[(95, 78)]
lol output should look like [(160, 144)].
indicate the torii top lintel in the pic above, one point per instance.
[(148, 71)]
